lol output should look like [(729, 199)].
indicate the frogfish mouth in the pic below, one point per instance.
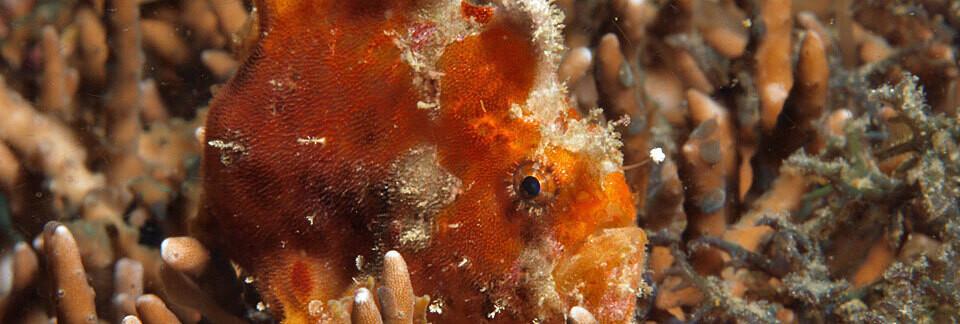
[(435, 128)]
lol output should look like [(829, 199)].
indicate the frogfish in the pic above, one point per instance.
[(436, 128)]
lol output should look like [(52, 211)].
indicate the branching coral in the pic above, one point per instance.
[(838, 149)]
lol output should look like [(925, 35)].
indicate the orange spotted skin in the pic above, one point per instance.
[(304, 141)]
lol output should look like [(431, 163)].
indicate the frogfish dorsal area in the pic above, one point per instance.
[(358, 127)]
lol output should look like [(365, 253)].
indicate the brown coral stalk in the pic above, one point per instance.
[(9, 169), (125, 99), (54, 96), (813, 76), (74, 297), (184, 293), (615, 78), (220, 63), (774, 74), (18, 269), (128, 286), (154, 311), (720, 23), (58, 152), (154, 109), (397, 297), (365, 308), (232, 16), (93, 46), (199, 17), (573, 67), (185, 254), (161, 37), (711, 158), (691, 73)]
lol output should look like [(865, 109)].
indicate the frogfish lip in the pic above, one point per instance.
[(604, 275)]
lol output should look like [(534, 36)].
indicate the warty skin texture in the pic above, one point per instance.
[(329, 147)]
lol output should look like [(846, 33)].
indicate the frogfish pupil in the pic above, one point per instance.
[(530, 186)]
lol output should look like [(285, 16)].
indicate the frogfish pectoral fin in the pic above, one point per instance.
[(605, 274)]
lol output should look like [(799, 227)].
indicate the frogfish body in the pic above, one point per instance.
[(435, 128)]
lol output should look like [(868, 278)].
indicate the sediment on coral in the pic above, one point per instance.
[(810, 168)]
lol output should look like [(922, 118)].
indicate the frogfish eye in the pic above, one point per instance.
[(533, 182), (530, 186)]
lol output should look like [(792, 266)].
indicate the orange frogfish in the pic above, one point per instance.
[(435, 128)]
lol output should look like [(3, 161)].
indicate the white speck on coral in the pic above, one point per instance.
[(392, 254), (362, 297), (657, 155), (775, 92), (200, 133)]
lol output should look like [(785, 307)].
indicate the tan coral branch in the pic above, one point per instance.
[(202, 22), (54, 96), (58, 152), (130, 319), (74, 297), (93, 46), (220, 63), (161, 37), (711, 156), (185, 254), (615, 78), (365, 308), (154, 311), (574, 65), (9, 169), (128, 286), (774, 73), (124, 97), (18, 269), (813, 76), (397, 299), (232, 16), (154, 110)]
